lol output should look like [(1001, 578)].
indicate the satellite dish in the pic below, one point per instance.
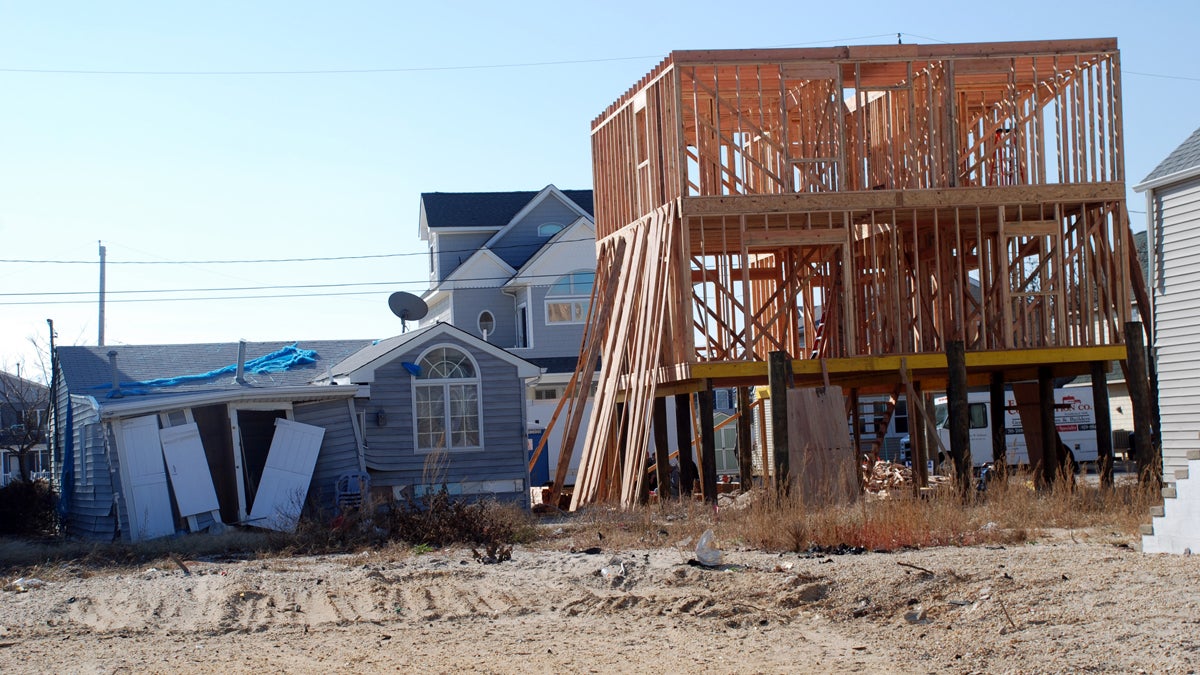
[(407, 306)]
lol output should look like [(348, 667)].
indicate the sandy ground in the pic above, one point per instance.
[(1070, 602)]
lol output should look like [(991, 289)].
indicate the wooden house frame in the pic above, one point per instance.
[(858, 208)]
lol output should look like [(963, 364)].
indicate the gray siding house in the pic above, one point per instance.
[(150, 440), (516, 269), (1173, 225)]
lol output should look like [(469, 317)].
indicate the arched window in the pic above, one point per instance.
[(446, 402), (549, 229), (568, 298)]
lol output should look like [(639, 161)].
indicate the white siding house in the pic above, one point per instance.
[(1173, 224)]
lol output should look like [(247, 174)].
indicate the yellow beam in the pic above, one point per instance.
[(980, 360)]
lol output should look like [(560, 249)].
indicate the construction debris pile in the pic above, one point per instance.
[(885, 476)]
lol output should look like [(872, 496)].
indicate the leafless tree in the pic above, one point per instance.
[(23, 417)]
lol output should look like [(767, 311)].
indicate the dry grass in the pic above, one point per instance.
[(401, 529), (1007, 513)]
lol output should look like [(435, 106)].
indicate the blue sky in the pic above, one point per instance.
[(243, 166)]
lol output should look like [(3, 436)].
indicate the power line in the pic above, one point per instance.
[(1164, 77), (479, 282), (258, 261), (321, 71), (374, 71)]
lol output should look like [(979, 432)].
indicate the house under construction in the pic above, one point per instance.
[(859, 208)]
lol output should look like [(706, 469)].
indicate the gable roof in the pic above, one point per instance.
[(359, 368), (484, 210), (14, 383), (566, 241), (484, 269), (86, 370), (1183, 162), (546, 193)]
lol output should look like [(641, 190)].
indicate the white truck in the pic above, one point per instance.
[(1074, 415)]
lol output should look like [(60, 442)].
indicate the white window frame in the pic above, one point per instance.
[(578, 302), (479, 323), (522, 326), (445, 384)]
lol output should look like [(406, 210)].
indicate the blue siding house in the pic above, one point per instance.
[(150, 440)]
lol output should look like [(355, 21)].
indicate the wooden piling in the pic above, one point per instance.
[(1149, 466), (745, 439), (708, 444), (959, 414), (779, 373), (1104, 445)]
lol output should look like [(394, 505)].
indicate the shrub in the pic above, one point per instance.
[(438, 520), (28, 508)]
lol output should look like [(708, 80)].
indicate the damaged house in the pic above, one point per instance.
[(152, 440)]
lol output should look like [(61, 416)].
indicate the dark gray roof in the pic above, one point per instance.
[(382, 348), (473, 210), (9, 382), (556, 364), (1140, 244), (86, 370), (1182, 158)]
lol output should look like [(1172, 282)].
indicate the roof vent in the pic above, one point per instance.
[(240, 378), (116, 377)]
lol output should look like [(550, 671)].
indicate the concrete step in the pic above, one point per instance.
[(1168, 492), (1147, 529), (1181, 474), (1157, 512), (1193, 454)]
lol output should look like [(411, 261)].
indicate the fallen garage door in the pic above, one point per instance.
[(147, 500), (187, 467), (286, 476)]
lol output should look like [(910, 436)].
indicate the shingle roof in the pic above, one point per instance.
[(555, 364), (368, 354), (382, 348), (475, 210), (1182, 158), (87, 371)]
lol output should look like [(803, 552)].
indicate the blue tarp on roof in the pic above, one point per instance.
[(277, 361)]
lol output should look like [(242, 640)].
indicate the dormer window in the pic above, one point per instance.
[(549, 229)]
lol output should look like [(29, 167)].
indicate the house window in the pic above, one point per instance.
[(487, 323), (549, 229), (568, 298), (446, 398), (901, 416), (545, 393)]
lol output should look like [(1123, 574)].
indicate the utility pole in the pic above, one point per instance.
[(100, 339)]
